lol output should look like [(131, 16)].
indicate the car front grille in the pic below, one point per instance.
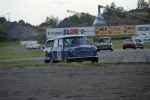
[(83, 54)]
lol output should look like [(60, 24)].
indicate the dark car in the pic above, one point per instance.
[(104, 43), (73, 48), (133, 43)]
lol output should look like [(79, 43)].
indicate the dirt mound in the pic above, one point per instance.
[(19, 32), (65, 23)]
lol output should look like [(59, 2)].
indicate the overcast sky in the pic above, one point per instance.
[(36, 11)]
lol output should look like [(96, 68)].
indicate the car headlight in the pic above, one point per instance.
[(46, 52), (71, 50), (93, 48)]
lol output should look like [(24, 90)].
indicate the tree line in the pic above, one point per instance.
[(79, 19)]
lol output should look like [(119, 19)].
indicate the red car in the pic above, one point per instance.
[(133, 43)]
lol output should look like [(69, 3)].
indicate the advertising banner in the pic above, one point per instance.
[(146, 39), (143, 28), (129, 29), (115, 30), (54, 32)]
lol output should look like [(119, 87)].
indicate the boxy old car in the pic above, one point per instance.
[(33, 46), (104, 43), (73, 48), (133, 43)]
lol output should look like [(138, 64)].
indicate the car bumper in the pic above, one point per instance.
[(138, 46), (104, 47), (47, 56), (83, 58)]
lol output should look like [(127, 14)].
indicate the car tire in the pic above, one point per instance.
[(124, 48), (66, 59), (142, 47), (111, 49), (47, 61), (98, 50), (94, 60), (79, 61)]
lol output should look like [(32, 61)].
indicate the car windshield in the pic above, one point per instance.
[(137, 40), (76, 41), (129, 40), (104, 40), (50, 43)]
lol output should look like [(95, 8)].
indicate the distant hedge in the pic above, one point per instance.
[(113, 37), (4, 37)]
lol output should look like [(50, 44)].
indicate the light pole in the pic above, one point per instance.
[(8, 16)]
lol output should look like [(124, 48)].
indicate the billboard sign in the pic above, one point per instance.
[(54, 32)]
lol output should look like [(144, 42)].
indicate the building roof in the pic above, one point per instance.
[(65, 23)]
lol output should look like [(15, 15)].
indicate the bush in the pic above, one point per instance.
[(113, 37), (4, 37)]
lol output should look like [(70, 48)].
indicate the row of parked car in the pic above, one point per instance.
[(77, 48)]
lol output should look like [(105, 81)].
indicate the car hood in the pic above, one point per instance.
[(81, 47), (103, 43)]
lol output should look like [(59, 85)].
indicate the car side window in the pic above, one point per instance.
[(56, 43), (50, 44)]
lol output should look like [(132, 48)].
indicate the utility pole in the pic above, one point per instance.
[(8, 16)]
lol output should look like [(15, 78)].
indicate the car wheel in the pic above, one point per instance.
[(79, 61), (47, 61), (52, 59), (142, 47), (66, 59), (98, 50), (111, 49), (94, 60)]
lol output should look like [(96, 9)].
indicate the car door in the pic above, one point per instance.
[(54, 49), (60, 50)]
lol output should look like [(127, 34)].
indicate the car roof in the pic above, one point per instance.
[(51, 39), (64, 36)]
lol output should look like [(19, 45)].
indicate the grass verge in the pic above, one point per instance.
[(33, 63), (22, 54)]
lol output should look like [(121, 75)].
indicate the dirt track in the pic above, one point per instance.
[(109, 82)]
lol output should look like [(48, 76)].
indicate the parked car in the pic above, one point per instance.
[(139, 36), (33, 46), (73, 48), (133, 43), (104, 43), (47, 50)]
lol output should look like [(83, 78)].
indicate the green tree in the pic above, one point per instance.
[(4, 37), (113, 5), (2, 20), (22, 22), (142, 4), (50, 21), (82, 19), (108, 13)]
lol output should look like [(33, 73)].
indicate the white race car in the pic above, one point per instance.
[(33, 46)]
